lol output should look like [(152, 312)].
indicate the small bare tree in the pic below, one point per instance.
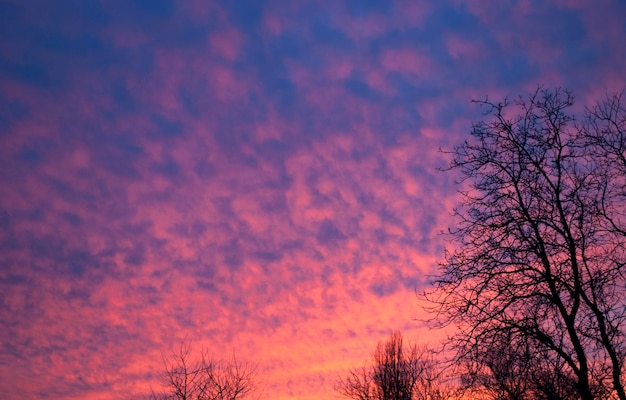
[(205, 378), (398, 372), (358, 385)]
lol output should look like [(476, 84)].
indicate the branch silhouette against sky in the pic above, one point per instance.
[(258, 176)]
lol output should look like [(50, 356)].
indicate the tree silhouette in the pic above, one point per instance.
[(513, 368), (205, 378), (398, 372), (538, 254)]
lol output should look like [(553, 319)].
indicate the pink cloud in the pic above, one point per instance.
[(407, 61), (200, 204), (227, 43)]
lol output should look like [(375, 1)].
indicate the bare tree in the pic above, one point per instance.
[(358, 385), (398, 372), (539, 250), (605, 131), (205, 378), (513, 368)]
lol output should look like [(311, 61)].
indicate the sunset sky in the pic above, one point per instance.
[(256, 177)]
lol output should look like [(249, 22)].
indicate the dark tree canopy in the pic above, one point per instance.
[(534, 279)]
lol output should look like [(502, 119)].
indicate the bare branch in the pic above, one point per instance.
[(539, 249)]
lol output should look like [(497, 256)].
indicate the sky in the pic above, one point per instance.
[(258, 178)]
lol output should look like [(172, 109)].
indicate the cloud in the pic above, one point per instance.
[(260, 178)]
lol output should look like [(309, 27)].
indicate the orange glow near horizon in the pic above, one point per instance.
[(256, 180)]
